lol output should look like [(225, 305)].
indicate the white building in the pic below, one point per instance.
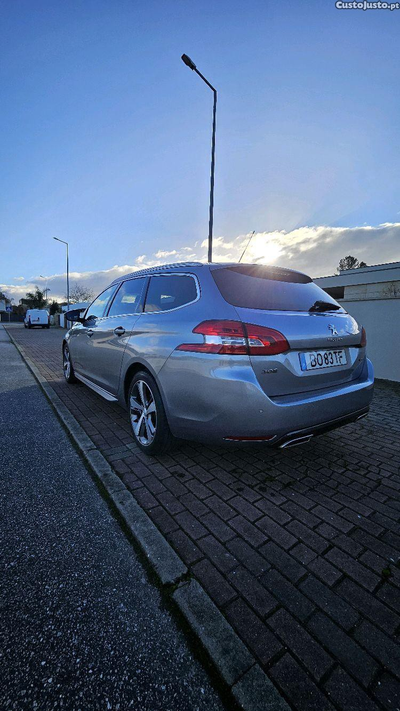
[(372, 296)]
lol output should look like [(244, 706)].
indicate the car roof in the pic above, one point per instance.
[(194, 266), (177, 266)]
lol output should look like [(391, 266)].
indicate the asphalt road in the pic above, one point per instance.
[(83, 628)]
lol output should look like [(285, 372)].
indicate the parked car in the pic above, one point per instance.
[(37, 317), (221, 353)]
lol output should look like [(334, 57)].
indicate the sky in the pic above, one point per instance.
[(105, 136)]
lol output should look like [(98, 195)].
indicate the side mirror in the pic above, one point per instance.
[(74, 315)]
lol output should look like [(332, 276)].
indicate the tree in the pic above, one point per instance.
[(54, 307), (350, 263), (19, 309), (4, 297), (79, 294), (36, 299)]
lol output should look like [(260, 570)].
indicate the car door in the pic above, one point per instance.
[(165, 321), (107, 341), (81, 334)]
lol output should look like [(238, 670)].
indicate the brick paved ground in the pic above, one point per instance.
[(298, 548)]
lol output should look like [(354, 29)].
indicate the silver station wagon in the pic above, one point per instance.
[(221, 353)]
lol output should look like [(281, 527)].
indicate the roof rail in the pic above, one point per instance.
[(160, 268)]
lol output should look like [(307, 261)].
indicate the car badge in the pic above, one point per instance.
[(333, 330)]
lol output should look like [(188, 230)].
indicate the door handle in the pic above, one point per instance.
[(119, 331), (89, 332)]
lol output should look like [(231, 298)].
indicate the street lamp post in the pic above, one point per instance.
[(46, 289), (66, 243), (193, 67)]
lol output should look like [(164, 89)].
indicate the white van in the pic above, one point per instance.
[(37, 317)]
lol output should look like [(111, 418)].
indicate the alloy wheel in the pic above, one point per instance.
[(143, 413), (67, 364)]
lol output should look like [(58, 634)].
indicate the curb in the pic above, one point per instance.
[(247, 682)]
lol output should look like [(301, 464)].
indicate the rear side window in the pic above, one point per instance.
[(127, 298), (170, 292), (268, 288)]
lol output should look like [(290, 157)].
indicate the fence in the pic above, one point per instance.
[(11, 318)]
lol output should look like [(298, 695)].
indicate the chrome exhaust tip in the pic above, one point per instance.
[(295, 441)]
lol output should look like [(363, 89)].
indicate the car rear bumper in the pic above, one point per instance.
[(228, 404), (293, 439)]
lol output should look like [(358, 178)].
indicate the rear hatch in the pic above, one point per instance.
[(324, 341), (37, 316)]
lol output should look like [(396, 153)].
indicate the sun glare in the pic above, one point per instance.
[(265, 252)]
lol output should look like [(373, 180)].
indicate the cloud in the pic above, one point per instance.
[(161, 255), (314, 250), (218, 243), (19, 278)]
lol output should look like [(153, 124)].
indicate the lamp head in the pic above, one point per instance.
[(186, 60)]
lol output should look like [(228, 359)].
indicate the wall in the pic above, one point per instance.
[(381, 320), (379, 290), (11, 318), (365, 275)]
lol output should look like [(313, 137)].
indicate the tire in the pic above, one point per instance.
[(68, 370), (48, 326), (151, 432)]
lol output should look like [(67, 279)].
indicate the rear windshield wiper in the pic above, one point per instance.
[(324, 306)]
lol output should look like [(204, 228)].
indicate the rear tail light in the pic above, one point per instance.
[(265, 341), (223, 337), (236, 338), (363, 338)]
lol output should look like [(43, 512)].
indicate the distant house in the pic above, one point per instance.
[(372, 296)]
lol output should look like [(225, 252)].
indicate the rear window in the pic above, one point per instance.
[(268, 288)]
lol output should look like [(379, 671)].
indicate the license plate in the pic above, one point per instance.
[(316, 360)]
